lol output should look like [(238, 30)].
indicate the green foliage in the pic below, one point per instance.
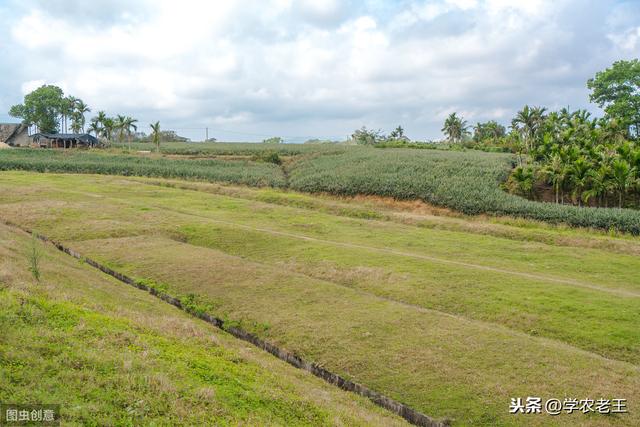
[(239, 149), (49, 110), (42, 108), (522, 180), (269, 156), (455, 128), (273, 140), (617, 90), (236, 172), (364, 136), (488, 133), (155, 135), (465, 181), (588, 160)]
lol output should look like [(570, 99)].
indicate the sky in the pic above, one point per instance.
[(301, 69)]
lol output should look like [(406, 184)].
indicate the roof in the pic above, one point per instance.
[(11, 130), (83, 137)]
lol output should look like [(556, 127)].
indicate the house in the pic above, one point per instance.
[(64, 140), (14, 134)]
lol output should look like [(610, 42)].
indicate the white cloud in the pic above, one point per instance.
[(287, 66), (31, 85)]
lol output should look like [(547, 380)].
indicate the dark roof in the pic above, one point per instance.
[(83, 137)]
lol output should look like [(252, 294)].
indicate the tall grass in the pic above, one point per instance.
[(34, 256)]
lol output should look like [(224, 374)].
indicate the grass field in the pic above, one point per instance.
[(112, 355), (451, 315), (468, 182)]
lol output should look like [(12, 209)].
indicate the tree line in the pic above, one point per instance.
[(48, 110), (580, 159)]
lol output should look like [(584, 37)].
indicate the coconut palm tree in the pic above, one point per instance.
[(125, 126), (78, 116), (101, 117), (579, 175), (95, 128), (600, 185), (119, 125), (528, 122), (76, 120), (555, 172), (155, 135), (66, 109), (108, 126), (455, 128), (623, 178)]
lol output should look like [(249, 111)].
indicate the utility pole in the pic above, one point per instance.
[(207, 135)]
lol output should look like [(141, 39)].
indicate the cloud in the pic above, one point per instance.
[(294, 67)]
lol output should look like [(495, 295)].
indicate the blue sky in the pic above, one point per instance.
[(300, 69)]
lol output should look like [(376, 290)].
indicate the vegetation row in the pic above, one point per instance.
[(469, 182)]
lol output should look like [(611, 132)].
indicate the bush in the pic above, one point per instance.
[(273, 140), (267, 157)]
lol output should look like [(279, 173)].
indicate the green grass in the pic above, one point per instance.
[(468, 182), (450, 321), (73, 161), (112, 355), (234, 149)]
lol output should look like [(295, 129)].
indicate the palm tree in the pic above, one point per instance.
[(579, 171), (455, 128), (76, 122), (78, 115), (95, 128), (101, 117), (66, 109), (155, 135), (556, 172), (600, 184), (120, 127), (524, 179), (623, 178), (108, 126), (125, 125), (528, 122), (397, 133)]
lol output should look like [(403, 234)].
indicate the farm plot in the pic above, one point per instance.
[(106, 351), (467, 182), (451, 323)]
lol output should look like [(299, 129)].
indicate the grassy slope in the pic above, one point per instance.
[(113, 355), (363, 311)]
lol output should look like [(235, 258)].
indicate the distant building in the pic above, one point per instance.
[(14, 134), (65, 140)]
